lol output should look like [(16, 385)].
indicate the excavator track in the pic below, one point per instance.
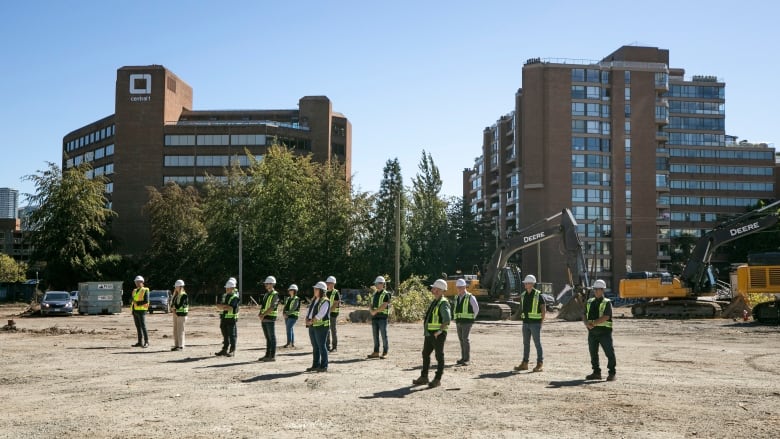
[(767, 312), (494, 311), (677, 309)]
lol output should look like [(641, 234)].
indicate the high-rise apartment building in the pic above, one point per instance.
[(637, 152), (9, 203), (155, 136)]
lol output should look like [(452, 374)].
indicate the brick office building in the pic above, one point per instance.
[(155, 136)]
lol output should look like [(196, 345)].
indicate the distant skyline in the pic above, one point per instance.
[(410, 76)]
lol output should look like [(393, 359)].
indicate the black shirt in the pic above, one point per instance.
[(593, 312)]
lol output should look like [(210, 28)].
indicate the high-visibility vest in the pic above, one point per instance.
[(331, 294), (602, 307), (292, 306), (325, 321), (535, 313), (138, 294), (434, 322), (465, 311), (181, 309), (228, 314), (379, 302), (269, 299)]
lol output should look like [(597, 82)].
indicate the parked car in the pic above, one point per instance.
[(74, 297), (158, 300), (56, 302)]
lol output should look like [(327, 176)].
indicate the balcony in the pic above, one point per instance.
[(662, 136), (662, 102)]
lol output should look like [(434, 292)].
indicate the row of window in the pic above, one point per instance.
[(190, 180), (725, 153), (103, 151), (594, 230), (694, 216), (591, 144), (722, 185), (714, 201), (590, 161), (696, 91), (591, 178), (696, 123), (207, 160), (697, 107), (583, 213), (589, 75), (717, 169), (590, 195), (588, 92), (215, 139), (694, 139), (591, 127), (589, 109), (107, 169), (88, 139)]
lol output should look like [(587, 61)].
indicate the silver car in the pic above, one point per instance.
[(56, 302)]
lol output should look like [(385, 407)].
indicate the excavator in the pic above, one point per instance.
[(756, 287), (691, 294), (500, 283)]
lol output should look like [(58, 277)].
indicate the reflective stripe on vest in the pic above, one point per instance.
[(229, 313), (434, 324), (602, 307), (268, 301), (139, 293), (465, 311), (333, 292), (181, 309), (291, 306), (535, 314), (325, 321), (382, 295)]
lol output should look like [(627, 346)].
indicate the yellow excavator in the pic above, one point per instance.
[(756, 285), (692, 294)]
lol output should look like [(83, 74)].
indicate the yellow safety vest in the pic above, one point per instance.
[(138, 294), (465, 307), (177, 303), (324, 322), (602, 307), (434, 324), (535, 313)]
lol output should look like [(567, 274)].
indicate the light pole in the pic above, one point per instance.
[(240, 260)]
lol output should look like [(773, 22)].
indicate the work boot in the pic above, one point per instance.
[(434, 383), (420, 381), (384, 355), (137, 345), (522, 366), (538, 367), (611, 377), (286, 346), (373, 355), (594, 376), (229, 354), (221, 353)]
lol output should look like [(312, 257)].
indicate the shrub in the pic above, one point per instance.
[(411, 301)]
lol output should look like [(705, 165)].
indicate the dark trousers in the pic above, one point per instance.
[(464, 329), (379, 327), (433, 344), (269, 330), (139, 318), (289, 322), (599, 336), (332, 334), (318, 336), (229, 334)]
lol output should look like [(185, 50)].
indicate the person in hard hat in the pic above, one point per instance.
[(180, 306), (268, 311), (140, 305), (228, 318), (435, 324), (598, 320), (379, 307), (335, 300), (318, 320), (464, 314), (533, 310), (290, 311)]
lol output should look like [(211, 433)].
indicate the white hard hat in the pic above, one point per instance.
[(330, 280), (233, 279), (379, 280), (230, 283), (460, 283), (599, 284), (179, 283), (530, 279), (440, 284), (139, 279), (270, 280), (292, 287), (321, 285)]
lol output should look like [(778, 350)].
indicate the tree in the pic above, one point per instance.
[(10, 270), (427, 221), (381, 249), (69, 223)]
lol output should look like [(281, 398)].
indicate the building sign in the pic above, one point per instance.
[(140, 87)]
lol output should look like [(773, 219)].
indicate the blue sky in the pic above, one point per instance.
[(410, 75)]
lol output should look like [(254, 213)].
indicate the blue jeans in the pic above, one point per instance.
[(379, 326), (319, 348), (289, 323), (532, 330)]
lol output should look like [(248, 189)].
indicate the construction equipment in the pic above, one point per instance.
[(756, 287), (500, 284), (691, 295)]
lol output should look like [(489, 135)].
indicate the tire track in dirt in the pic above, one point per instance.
[(753, 363)]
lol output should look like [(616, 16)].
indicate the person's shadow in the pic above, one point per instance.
[(396, 393), (570, 383)]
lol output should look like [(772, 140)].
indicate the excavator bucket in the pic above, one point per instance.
[(573, 309), (737, 308)]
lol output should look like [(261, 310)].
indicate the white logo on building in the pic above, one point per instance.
[(140, 84)]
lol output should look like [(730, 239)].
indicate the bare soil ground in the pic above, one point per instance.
[(78, 377)]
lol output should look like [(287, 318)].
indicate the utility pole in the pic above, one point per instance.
[(398, 240), (240, 260)]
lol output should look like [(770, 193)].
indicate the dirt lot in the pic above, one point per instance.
[(79, 377)]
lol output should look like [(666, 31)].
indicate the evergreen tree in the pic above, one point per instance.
[(427, 221)]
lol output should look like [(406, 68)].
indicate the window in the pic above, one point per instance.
[(247, 139), (627, 94), (177, 140), (578, 161), (578, 92), (109, 187), (606, 128), (578, 75), (593, 126), (578, 126), (179, 160), (578, 195), (627, 77), (593, 92), (109, 168), (593, 109), (577, 108), (627, 110), (627, 127), (213, 139), (605, 77), (578, 178), (592, 75), (661, 180), (578, 143), (109, 150), (628, 144), (605, 112), (100, 153)]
